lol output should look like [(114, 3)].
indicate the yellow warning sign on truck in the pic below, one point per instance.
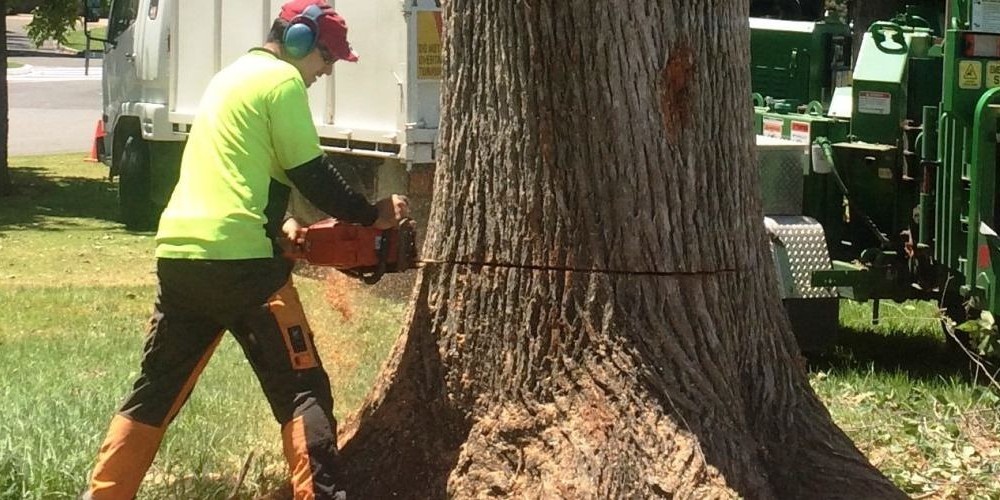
[(970, 75), (429, 45)]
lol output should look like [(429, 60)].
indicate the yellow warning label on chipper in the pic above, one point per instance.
[(970, 75), (992, 74)]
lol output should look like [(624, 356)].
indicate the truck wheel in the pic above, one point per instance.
[(815, 322), (135, 205)]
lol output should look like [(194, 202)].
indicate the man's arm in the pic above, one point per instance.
[(325, 188), (295, 141)]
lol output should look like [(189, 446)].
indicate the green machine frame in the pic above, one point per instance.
[(915, 166), (966, 208), (799, 60)]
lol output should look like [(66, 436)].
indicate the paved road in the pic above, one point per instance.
[(45, 74), (53, 110), (54, 107)]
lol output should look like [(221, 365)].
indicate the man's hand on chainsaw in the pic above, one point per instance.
[(294, 242), (391, 210)]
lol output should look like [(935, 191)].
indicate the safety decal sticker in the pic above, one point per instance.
[(992, 74), (874, 103), (986, 16), (801, 132), (772, 128), (970, 75)]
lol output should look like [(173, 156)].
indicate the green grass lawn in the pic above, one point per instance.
[(911, 402), (13, 64), (76, 289), (75, 293), (76, 40)]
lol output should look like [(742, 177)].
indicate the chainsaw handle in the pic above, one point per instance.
[(293, 250)]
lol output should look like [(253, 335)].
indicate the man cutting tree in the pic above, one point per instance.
[(219, 260)]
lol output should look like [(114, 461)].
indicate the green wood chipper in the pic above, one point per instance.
[(896, 197)]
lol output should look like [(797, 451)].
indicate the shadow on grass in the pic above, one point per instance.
[(40, 196), (918, 357)]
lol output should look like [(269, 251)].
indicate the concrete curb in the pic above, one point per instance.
[(23, 70)]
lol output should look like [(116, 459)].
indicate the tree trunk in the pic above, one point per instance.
[(6, 187), (606, 324), (866, 12)]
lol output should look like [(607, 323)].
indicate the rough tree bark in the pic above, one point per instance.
[(6, 187), (865, 12), (607, 325)]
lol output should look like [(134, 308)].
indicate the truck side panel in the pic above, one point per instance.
[(196, 56), (386, 98), (369, 94)]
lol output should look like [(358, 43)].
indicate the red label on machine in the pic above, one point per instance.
[(772, 128), (801, 132), (874, 103)]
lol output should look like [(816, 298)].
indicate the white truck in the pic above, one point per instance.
[(379, 115)]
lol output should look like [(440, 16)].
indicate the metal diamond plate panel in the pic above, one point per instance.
[(781, 171), (803, 239)]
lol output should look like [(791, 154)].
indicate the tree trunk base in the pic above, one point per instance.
[(406, 438), (607, 426)]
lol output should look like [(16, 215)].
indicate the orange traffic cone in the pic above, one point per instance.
[(97, 147)]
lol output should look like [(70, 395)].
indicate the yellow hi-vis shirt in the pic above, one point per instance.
[(253, 123)]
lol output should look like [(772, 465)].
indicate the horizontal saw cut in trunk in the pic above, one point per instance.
[(600, 320)]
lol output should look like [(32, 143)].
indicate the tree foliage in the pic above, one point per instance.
[(53, 20)]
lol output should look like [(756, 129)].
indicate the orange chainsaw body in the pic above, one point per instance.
[(362, 251)]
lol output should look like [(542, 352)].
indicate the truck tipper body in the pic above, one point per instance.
[(381, 112)]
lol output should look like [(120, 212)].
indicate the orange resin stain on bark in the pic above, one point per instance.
[(676, 87)]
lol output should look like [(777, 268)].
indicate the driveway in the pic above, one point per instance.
[(54, 106)]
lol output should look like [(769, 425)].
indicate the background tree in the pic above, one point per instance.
[(604, 322), (798, 10), (6, 187), (52, 20), (865, 12)]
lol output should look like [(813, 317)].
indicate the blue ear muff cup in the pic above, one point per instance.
[(299, 40), (302, 33)]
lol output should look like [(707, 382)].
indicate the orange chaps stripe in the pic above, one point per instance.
[(293, 436), (129, 447), (126, 454), (277, 341), (287, 310)]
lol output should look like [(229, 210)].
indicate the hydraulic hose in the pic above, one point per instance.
[(827, 149)]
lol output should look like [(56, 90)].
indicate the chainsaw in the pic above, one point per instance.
[(362, 252)]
